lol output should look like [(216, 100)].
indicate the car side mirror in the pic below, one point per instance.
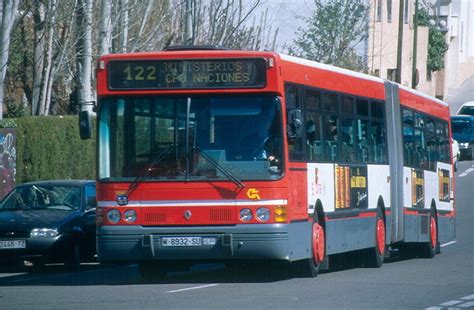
[(295, 124), (85, 125)]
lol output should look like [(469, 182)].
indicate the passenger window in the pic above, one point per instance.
[(377, 109), (431, 144), (330, 102), (347, 105), (314, 145), (362, 107), (378, 152), (295, 145), (346, 137), (330, 138), (312, 99), (362, 145)]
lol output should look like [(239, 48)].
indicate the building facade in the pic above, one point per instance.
[(454, 18)]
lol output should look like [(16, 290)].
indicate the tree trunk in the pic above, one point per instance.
[(8, 9), (105, 33), (124, 25), (84, 65), (46, 81), (38, 57)]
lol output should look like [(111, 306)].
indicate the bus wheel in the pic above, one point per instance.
[(428, 249), (151, 271), (310, 267), (377, 253)]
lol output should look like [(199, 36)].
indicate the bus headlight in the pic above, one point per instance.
[(130, 216), (245, 215), (280, 214), (263, 214), (113, 216)]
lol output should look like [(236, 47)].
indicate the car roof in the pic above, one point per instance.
[(471, 117), (60, 182)]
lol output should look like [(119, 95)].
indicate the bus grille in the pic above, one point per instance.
[(220, 215), (154, 217)]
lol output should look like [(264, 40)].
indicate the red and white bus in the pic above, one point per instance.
[(217, 155)]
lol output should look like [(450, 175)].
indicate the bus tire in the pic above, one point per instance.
[(376, 254), (309, 268), (429, 249), (151, 271)]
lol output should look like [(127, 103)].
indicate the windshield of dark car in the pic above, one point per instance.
[(43, 197), (467, 110)]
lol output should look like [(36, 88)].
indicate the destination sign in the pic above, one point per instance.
[(187, 74)]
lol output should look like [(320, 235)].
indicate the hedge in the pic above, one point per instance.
[(49, 147)]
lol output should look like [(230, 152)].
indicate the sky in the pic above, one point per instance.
[(284, 14)]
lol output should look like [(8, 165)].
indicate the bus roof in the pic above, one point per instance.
[(318, 65)]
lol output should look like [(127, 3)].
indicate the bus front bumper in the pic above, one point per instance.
[(260, 241)]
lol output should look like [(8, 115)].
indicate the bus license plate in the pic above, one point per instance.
[(13, 244), (181, 241)]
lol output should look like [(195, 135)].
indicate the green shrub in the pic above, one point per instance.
[(49, 147)]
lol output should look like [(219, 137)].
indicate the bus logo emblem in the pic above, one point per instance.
[(252, 193), (187, 214)]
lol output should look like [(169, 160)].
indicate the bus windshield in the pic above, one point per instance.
[(190, 137)]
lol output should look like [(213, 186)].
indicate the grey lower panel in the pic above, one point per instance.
[(446, 229), (343, 235), (272, 241), (417, 227)]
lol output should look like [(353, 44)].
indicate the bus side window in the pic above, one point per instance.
[(330, 138), (295, 145), (431, 144), (408, 140), (314, 147), (346, 137), (362, 143)]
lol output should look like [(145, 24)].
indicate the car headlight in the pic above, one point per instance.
[(43, 232), (263, 214), (113, 216), (130, 216), (245, 215), (464, 145)]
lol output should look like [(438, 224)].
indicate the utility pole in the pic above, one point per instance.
[(398, 76), (414, 81), (188, 23)]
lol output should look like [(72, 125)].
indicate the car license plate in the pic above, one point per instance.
[(12, 244), (181, 241)]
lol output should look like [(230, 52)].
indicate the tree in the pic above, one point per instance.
[(227, 23), (8, 11), (333, 34), (84, 54)]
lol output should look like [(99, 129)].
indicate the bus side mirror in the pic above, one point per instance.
[(85, 125), (295, 124)]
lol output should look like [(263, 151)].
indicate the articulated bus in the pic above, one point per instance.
[(230, 156)]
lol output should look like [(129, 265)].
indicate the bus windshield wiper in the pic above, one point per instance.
[(219, 167), (146, 173)]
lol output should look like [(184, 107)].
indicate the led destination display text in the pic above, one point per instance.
[(188, 74)]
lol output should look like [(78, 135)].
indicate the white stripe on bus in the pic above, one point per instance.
[(197, 203)]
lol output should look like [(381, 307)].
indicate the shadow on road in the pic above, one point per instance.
[(107, 274)]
